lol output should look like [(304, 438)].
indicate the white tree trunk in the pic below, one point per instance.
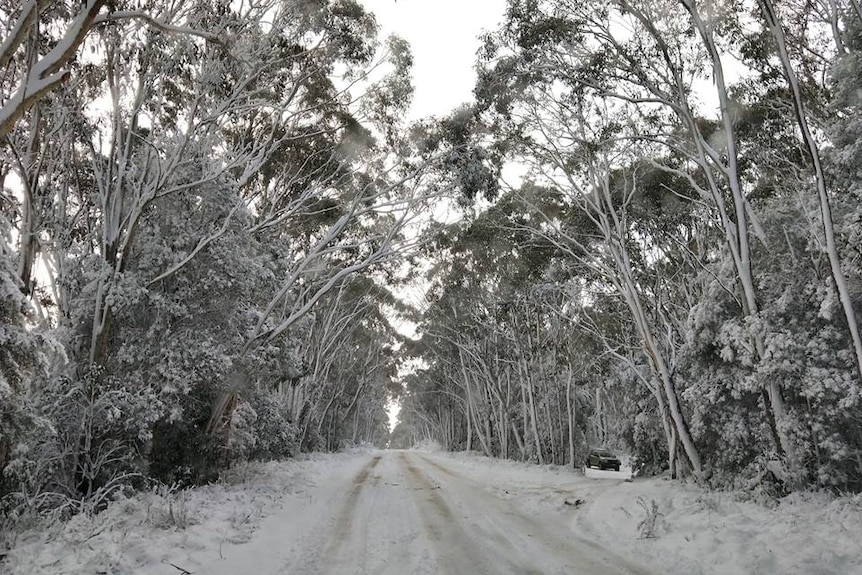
[(772, 20)]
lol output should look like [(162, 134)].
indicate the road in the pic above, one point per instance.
[(402, 512)]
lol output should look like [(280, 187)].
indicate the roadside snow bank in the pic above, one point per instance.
[(149, 532), (428, 445), (678, 528), (684, 529)]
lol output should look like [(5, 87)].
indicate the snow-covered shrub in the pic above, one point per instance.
[(311, 440), (653, 519), (639, 423), (276, 436), (28, 354), (167, 508), (89, 445), (182, 336), (645, 440), (242, 440), (182, 452), (428, 445), (804, 348)]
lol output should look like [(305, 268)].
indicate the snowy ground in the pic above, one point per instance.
[(419, 512)]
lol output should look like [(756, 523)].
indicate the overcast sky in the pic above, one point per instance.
[(443, 36)]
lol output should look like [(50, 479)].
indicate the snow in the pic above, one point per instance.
[(698, 531), (149, 532), (367, 511), (718, 533)]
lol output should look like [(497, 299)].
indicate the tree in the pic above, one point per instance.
[(211, 174), (25, 359), (36, 74), (678, 206)]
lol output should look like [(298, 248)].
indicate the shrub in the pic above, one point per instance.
[(648, 526)]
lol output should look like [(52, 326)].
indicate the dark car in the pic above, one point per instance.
[(603, 459)]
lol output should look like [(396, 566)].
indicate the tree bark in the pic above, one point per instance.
[(570, 415), (45, 76), (775, 27)]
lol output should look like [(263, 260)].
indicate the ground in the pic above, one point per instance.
[(401, 512)]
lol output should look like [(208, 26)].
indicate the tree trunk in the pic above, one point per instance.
[(519, 442), (570, 415), (534, 422), (739, 241), (772, 20)]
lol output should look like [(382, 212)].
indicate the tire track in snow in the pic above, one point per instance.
[(456, 547), (343, 526), (569, 549)]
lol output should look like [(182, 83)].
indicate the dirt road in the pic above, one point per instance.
[(400, 512)]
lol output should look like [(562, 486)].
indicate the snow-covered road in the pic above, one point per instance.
[(400, 512)]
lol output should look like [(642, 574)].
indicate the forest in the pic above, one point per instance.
[(211, 211)]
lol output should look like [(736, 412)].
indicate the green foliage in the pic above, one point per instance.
[(181, 452), (466, 163), (88, 443), (628, 216), (28, 355), (274, 435), (180, 229)]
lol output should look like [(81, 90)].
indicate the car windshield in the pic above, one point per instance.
[(604, 453)]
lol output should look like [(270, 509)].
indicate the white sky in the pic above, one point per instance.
[(443, 36)]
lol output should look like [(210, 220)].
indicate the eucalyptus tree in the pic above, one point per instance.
[(462, 340), (350, 365), (842, 159), (210, 173), (42, 41), (805, 55), (606, 104), (594, 54), (26, 356), (792, 55), (40, 55), (499, 347), (33, 73)]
